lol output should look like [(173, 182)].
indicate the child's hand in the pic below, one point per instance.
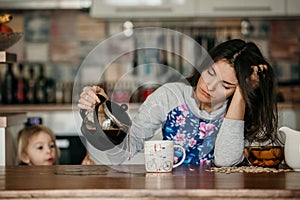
[(87, 160)]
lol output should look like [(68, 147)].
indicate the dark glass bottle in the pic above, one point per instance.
[(41, 87), (59, 93), (50, 90), (31, 86), (9, 84), (22, 85)]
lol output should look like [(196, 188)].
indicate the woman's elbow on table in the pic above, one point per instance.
[(228, 162)]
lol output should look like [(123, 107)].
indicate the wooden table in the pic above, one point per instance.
[(131, 182)]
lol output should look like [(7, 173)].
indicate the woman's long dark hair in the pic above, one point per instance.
[(261, 117)]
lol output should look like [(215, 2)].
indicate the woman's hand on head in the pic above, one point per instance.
[(237, 90), (254, 77), (237, 106), (88, 98), (237, 95)]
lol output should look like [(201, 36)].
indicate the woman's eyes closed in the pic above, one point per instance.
[(211, 71), (227, 88)]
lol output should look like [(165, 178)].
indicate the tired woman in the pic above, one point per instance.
[(212, 114)]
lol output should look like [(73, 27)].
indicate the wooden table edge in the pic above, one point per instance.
[(150, 193)]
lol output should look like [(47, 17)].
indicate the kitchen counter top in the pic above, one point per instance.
[(131, 182), (10, 119)]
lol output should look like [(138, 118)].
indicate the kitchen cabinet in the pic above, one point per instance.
[(44, 4), (292, 7), (188, 8), (144, 9), (241, 8)]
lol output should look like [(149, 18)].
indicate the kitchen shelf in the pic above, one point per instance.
[(289, 105), (46, 107), (6, 57), (11, 119), (35, 108)]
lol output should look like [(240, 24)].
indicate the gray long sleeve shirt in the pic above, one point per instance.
[(159, 107)]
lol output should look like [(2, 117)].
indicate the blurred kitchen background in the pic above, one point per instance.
[(59, 34)]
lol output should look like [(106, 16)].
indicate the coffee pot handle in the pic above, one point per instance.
[(101, 98), (83, 112)]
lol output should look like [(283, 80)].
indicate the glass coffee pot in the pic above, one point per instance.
[(107, 125)]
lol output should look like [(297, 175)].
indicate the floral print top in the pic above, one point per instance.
[(195, 134)]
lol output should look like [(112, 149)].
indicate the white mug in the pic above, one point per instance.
[(159, 155)]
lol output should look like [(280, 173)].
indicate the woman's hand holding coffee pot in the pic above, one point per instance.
[(88, 97)]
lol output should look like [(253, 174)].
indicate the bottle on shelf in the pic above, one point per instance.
[(40, 86), (67, 92), (31, 86), (50, 91), (9, 84), (21, 86), (59, 93)]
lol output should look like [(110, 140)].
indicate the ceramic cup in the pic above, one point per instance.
[(159, 155)]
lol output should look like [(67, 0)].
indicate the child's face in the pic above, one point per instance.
[(41, 149)]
